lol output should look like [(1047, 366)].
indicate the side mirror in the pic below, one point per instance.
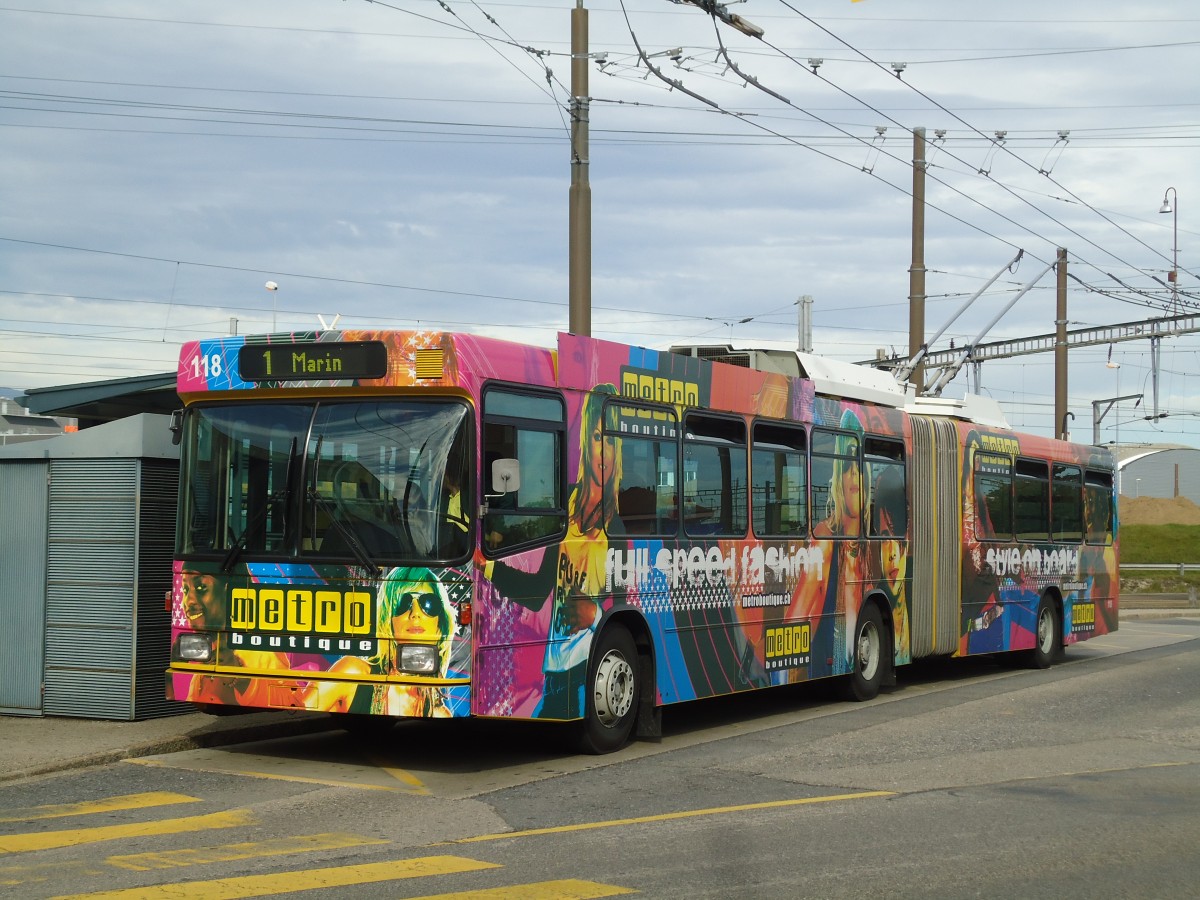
[(177, 426), (506, 476)]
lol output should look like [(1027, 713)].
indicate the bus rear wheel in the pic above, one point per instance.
[(1046, 646), (868, 660), (611, 692)]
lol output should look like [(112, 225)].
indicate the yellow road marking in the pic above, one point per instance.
[(291, 882), (20, 843), (13, 876), (567, 889), (304, 843), (667, 817), (402, 775), (109, 804), (276, 776)]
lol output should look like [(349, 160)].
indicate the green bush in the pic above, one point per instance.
[(1160, 544)]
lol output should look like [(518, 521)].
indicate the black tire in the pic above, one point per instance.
[(1046, 637), (869, 656), (611, 693)]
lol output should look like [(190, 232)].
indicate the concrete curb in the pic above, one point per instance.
[(221, 733)]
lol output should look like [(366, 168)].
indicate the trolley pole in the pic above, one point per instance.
[(916, 272), (1060, 348), (580, 198)]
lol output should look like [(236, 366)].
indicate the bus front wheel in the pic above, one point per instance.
[(868, 659), (612, 692)]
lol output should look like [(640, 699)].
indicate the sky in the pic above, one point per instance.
[(407, 164)]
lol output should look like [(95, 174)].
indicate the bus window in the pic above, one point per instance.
[(1032, 500), (837, 483), (778, 481), (888, 492), (348, 480), (529, 428), (1097, 506), (993, 497), (714, 476), (1066, 503), (377, 479), (235, 484), (641, 443)]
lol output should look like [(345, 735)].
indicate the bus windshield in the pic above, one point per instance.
[(370, 481)]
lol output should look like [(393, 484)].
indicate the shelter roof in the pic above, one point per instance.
[(95, 402)]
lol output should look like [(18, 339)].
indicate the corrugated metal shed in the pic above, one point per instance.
[(23, 511), (104, 557)]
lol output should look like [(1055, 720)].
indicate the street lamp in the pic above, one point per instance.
[(1173, 275), (273, 287)]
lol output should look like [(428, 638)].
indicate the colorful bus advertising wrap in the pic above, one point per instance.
[(741, 529), (323, 638)]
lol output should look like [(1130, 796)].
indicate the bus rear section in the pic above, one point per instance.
[(1014, 545)]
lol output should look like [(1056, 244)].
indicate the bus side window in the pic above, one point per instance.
[(993, 476), (640, 492), (1098, 507), (714, 476), (779, 480), (888, 491), (530, 428), (1066, 503), (837, 483), (1033, 500)]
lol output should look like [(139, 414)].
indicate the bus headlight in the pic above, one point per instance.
[(194, 647), (419, 658)]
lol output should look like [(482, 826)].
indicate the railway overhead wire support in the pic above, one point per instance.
[(1145, 329)]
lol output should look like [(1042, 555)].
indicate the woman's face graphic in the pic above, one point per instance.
[(851, 496), (893, 565), (416, 617), (605, 457)]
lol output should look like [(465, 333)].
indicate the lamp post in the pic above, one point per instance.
[(273, 287), (1173, 276)]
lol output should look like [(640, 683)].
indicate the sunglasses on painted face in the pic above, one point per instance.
[(427, 603)]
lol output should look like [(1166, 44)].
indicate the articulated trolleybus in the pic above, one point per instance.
[(414, 524)]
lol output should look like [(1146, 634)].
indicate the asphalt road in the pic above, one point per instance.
[(968, 780)]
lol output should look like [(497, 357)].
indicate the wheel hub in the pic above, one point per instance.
[(868, 651), (613, 695), (1045, 633)]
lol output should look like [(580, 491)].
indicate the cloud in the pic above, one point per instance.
[(396, 168)]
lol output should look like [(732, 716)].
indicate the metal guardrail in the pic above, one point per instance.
[(1159, 601), (1138, 600), (1181, 568)]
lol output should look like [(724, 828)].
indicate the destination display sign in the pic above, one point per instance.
[(319, 360)]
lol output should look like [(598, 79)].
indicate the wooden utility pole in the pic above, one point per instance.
[(1060, 348), (916, 272), (579, 226)]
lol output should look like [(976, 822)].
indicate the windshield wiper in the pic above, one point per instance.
[(349, 535), (260, 515)]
